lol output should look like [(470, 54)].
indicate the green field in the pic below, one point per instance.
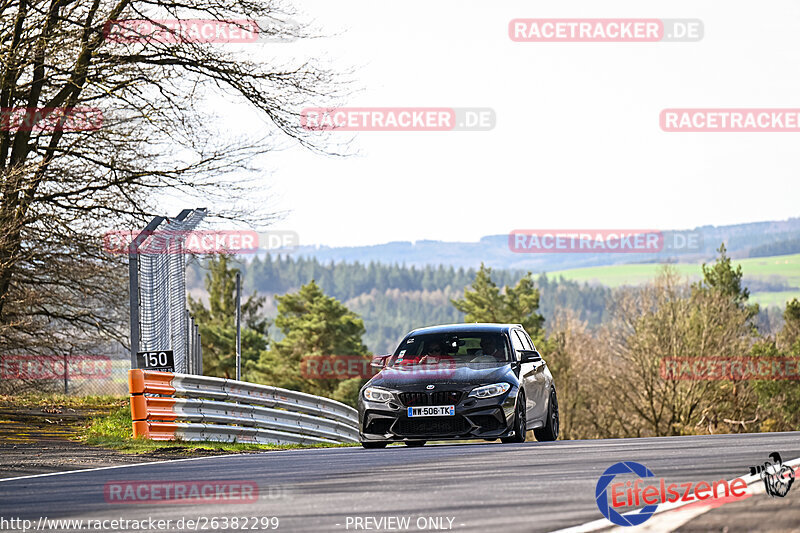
[(783, 267)]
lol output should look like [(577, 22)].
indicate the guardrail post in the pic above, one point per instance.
[(138, 404)]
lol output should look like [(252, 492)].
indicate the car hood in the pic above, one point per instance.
[(406, 378)]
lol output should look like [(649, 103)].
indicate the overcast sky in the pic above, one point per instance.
[(577, 142)]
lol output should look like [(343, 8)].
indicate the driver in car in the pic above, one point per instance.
[(436, 349), (433, 353), (489, 348)]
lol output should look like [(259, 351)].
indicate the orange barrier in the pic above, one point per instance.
[(149, 408), (146, 408), (154, 430), (141, 381)]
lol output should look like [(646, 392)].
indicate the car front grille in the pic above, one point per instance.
[(445, 397), (432, 426), (415, 399)]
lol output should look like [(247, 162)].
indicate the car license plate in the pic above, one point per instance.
[(435, 410)]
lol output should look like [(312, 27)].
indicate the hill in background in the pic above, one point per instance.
[(394, 299), (757, 239)]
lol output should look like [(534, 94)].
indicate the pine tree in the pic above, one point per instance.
[(313, 324), (217, 322), (722, 277), (517, 305)]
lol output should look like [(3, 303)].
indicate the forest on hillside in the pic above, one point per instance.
[(393, 299)]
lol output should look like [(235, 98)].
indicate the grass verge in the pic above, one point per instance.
[(40, 400)]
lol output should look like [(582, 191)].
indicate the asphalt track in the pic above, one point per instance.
[(475, 487)]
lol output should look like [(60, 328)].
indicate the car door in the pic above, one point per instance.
[(548, 377), (534, 376)]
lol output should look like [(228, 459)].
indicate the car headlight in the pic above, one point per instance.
[(374, 394), (487, 391)]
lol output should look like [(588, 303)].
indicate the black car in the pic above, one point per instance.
[(461, 381)]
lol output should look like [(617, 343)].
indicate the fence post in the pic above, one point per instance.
[(133, 288), (189, 343), (199, 339), (238, 326)]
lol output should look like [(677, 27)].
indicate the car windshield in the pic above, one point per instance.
[(451, 348)]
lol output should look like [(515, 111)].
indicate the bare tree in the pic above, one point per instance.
[(571, 354), (62, 187), (668, 320)]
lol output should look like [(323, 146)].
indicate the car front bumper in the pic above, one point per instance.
[(487, 418)]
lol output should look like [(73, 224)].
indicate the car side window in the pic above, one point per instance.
[(526, 340), (516, 343)]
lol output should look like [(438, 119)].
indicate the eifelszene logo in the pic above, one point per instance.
[(633, 493), (777, 477)]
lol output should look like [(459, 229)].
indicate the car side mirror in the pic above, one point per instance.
[(379, 361), (530, 356)]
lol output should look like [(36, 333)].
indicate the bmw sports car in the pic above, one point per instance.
[(462, 381)]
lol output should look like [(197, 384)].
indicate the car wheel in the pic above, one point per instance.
[(372, 445), (519, 422), (550, 430), (415, 443)]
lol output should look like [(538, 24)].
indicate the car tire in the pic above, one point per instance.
[(519, 422), (550, 430), (374, 445), (415, 443)]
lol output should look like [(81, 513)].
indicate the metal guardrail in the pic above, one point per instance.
[(196, 408)]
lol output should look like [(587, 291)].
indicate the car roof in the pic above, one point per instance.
[(476, 326)]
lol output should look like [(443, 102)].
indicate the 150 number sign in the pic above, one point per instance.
[(160, 360)]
